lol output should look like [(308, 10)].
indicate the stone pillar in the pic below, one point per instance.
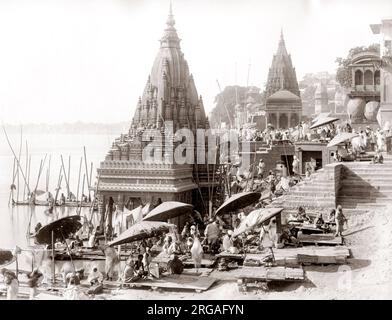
[(289, 120), (277, 120), (120, 201), (101, 210)]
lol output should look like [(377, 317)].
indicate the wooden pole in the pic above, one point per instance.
[(41, 168), (48, 174), (80, 169), (39, 174), (69, 176), (91, 175), (12, 185), (65, 174), (20, 153), (58, 186), (13, 152), (27, 165), (53, 263), (28, 172), (81, 197), (85, 162)]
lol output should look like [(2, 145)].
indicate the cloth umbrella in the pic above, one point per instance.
[(250, 125), (342, 137), (256, 218), (321, 116), (142, 230), (63, 227), (168, 210), (238, 201), (323, 121)]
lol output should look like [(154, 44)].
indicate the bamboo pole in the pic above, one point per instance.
[(48, 174), (91, 174), (80, 169), (85, 162), (65, 174), (40, 172), (58, 185), (53, 262), (12, 184), (13, 152), (28, 172), (20, 154), (69, 176), (81, 196), (27, 164)]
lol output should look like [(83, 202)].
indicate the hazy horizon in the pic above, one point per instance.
[(69, 61)]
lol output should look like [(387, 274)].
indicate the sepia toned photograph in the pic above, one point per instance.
[(195, 150)]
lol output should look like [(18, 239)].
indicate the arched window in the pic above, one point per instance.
[(358, 78), (377, 77), (368, 77)]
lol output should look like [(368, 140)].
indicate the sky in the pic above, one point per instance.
[(84, 60)]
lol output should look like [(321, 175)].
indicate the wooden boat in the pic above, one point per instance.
[(71, 204)]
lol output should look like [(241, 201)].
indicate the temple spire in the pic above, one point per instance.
[(282, 46), (170, 19)]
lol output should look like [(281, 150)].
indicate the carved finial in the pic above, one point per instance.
[(170, 19)]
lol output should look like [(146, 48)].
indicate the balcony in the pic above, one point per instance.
[(367, 88)]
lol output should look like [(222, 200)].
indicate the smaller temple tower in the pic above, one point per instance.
[(321, 99), (283, 101)]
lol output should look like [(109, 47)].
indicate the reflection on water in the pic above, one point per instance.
[(17, 221)]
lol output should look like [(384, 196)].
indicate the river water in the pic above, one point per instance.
[(14, 221)]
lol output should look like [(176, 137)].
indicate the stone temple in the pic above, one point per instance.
[(283, 102), (170, 96)]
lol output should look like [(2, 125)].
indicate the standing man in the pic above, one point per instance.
[(295, 165), (340, 219), (261, 169)]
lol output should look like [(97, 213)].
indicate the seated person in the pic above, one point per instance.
[(175, 265), (378, 157), (319, 221), (129, 273), (289, 237), (331, 217), (302, 215), (95, 276), (139, 266), (344, 154)]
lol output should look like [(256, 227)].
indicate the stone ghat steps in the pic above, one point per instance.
[(353, 187), (365, 192), (311, 195), (309, 189), (348, 212), (363, 202), (375, 183)]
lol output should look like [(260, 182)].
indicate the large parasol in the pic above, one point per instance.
[(323, 121), (238, 201), (256, 218), (342, 137), (142, 230), (61, 229), (168, 210), (321, 116)]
